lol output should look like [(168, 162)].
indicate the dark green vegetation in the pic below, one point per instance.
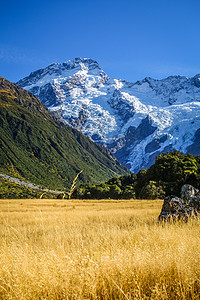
[(164, 178), (36, 147)]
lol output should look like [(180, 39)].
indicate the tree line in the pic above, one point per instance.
[(165, 177)]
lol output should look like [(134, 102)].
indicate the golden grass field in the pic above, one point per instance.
[(85, 249)]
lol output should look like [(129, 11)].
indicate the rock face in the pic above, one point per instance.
[(136, 121), (188, 205)]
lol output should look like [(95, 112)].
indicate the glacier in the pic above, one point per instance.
[(136, 121)]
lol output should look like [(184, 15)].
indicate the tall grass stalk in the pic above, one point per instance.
[(73, 186)]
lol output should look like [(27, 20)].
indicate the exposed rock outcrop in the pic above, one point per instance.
[(188, 205)]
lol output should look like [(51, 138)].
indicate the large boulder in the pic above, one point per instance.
[(188, 205)]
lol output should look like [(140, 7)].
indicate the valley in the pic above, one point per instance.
[(38, 148)]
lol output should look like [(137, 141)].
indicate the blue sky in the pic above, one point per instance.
[(129, 39)]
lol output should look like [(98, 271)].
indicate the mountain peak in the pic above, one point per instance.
[(114, 112), (62, 70), (83, 63)]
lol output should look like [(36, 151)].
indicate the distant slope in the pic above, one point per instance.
[(36, 147)]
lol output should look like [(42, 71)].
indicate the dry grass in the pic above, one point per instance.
[(61, 249)]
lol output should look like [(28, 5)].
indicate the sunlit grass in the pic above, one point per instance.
[(61, 249)]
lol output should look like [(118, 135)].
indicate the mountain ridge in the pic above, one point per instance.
[(119, 114)]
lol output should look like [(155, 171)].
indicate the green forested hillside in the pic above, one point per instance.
[(165, 177), (35, 146)]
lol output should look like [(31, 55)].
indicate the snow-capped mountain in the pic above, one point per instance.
[(136, 121)]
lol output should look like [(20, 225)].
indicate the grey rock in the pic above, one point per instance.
[(121, 106), (155, 144), (195, 147), (188, 192), (152, 146), (183, 208), (121, 147)]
